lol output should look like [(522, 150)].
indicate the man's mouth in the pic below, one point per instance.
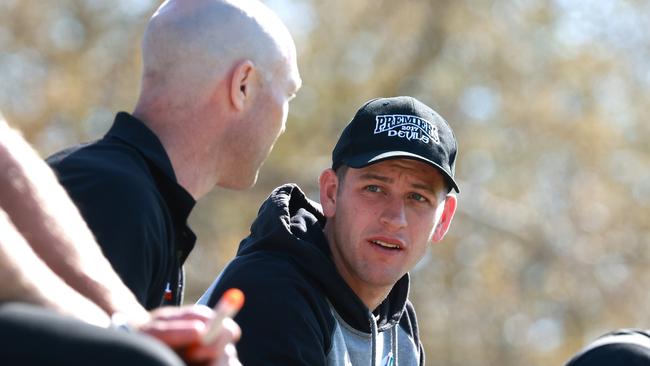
[(385, 244)]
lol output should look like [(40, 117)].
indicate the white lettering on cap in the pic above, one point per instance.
[(408, 127)]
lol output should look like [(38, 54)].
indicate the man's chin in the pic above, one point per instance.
[(240, 183)]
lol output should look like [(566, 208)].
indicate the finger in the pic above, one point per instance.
[(230, 333), (176, 333), (229, 358), (197, 312), (233, 329)]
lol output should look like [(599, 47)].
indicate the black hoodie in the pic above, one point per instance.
[(299, 310)]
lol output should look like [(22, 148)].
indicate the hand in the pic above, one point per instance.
[(182, 330)]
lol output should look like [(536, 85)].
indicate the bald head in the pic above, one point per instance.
[(218, 76), (189, 44)]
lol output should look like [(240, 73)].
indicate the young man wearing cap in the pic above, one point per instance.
[(328, 284)]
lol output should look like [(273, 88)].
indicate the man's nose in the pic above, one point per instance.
[(394, 214)]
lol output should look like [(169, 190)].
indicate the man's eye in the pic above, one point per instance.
[(418, 197), (373, 188)]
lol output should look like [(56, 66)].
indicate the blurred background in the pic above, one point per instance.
[(548, 99)]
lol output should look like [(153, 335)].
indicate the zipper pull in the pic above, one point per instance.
[(168, 292)]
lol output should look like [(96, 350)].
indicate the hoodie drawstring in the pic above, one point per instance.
[(373, 340), (393, 342), (392, 357)]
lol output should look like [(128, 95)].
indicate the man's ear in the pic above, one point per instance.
[(241, 83), (448, 212), (328, 182)]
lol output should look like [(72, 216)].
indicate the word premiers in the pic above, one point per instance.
[(408, 127)]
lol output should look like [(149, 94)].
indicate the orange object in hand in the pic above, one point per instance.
[(229, 304)]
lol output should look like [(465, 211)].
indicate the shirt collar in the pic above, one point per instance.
[(136, 134)]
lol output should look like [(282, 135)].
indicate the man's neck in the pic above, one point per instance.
[(190, 170), (371, 297)]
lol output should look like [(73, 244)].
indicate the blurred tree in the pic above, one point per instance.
[(547, 98)]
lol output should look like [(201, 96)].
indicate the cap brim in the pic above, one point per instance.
[(363, 160)]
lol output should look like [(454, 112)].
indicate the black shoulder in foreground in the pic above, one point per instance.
[(620, 348)]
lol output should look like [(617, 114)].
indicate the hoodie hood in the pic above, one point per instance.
[(290, 223)]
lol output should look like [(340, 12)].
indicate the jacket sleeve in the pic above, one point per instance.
[(284, 321)]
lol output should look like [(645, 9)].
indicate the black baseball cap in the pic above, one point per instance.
[(398, 127)]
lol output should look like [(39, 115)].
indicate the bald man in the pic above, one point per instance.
[(217, 80)]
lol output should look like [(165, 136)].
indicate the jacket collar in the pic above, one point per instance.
[(136, 134)]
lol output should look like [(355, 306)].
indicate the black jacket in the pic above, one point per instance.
[(298, 309), (126, 190)]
